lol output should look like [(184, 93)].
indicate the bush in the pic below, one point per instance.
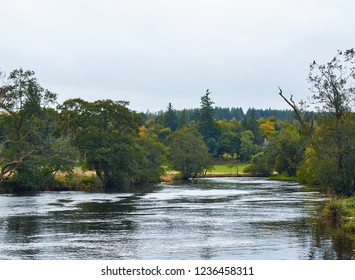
[(340, 210)]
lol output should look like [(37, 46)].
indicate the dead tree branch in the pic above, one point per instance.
[(299, 117)]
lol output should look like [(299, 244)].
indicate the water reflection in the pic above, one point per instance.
[(224, 218), (332, 241)]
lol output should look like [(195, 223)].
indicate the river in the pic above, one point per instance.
[(215, 218)]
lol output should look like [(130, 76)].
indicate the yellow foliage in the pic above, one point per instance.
[(142, 130), (267, 127)]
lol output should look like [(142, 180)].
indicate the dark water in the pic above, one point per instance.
[(224, 218)]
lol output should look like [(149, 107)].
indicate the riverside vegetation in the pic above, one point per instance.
[(105, 145)]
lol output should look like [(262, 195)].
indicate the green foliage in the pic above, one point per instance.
[(332, 84), (340, 210), (170, 118), (31, 153), (288, 150), (23, 96), (229, 141), (249, 122), (183, 118), (330, 158), (187, 115), (329, 161), (154, 157), (32, 174), (247, 146), (260, 166), (156, 131), (283, 177), (106, 134), (37, 142), (188, 153), (282, 152), (207, 125)]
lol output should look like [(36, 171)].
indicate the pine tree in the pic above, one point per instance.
[(206, 123), (170, 118)]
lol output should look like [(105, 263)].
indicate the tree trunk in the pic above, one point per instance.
[(8, 168)]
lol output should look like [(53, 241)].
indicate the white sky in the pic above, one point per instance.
[(152, 52)]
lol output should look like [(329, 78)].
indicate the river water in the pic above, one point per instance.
[(221, 218)]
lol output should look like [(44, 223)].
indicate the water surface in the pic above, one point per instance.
[(222, 218)]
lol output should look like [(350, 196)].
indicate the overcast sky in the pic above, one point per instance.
[(152, 52)]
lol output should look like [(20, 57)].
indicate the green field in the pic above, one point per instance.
[(229, 168)]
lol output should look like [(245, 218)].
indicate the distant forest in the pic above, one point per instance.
[(228, 114)]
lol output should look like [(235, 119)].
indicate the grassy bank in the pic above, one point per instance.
[(283, 177), (78, 181), (341, 211)]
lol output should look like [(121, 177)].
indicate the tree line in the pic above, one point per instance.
[(220, 113), (40, 138)]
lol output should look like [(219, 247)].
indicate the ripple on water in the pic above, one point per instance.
[(213, 218)]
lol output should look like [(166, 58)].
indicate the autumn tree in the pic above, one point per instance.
[(267, 128)]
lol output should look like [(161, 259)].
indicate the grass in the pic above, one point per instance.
[(228, 168), (225, 169), (284, 177), (78, 180)]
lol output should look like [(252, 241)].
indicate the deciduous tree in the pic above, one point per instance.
[(106, 134), (188, 153), (30, 152)]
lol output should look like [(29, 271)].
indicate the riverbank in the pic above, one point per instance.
[(340, 211), (76, 181), (80, 180)]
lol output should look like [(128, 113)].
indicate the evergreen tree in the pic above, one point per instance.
[(184, 118), (206, 123), (170, 118)]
